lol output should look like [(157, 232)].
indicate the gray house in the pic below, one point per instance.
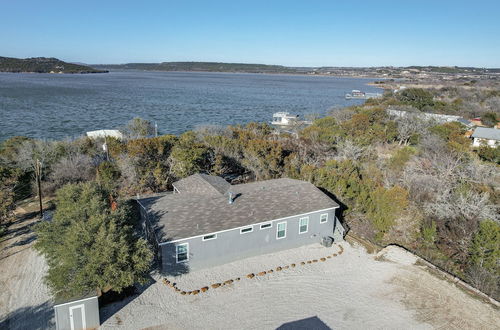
[(207, 221)]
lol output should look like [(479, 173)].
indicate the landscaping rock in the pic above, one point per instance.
[(195, 292), (278, 269), (216, 285), (252, 275), (228, 282), (183, 293), (322, 259), (293, 265), (262, 273), (315, 260), (204, 289)]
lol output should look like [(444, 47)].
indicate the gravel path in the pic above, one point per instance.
[(25, 301)]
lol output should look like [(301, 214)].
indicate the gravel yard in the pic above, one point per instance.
[(352, 290)]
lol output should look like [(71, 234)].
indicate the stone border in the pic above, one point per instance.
[(174, 287)]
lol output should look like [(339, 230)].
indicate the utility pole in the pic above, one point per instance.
[(38, 177), (156, 129), (105, 147)]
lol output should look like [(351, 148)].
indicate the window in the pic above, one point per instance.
[(246, 230), (323, 218), (182, 252), (303, 225), (209, 237), (281, 230), (266, 225)]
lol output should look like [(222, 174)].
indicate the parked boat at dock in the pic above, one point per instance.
[(359, 95)]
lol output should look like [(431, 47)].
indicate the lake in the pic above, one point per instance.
[(57, 106)]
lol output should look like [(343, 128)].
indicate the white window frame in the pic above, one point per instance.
[(177, 253), (209, 239), (246, 232), (267, 224), (307, 225), (278, 229), (321, 218)]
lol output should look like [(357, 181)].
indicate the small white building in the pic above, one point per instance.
[(102, 133), (486, 136)]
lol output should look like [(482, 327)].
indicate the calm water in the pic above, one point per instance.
[(60, 106)]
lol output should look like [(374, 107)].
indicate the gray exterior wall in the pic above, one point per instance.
[(232, 245), (90, 315)]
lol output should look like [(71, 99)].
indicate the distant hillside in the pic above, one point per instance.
[(200, 66), (43, 65)]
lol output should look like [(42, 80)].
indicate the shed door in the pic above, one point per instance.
[(77, 317)]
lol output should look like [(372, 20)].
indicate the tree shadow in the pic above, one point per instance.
[(343, 207), (310, 323), (27, 240), (168, 264), (33, 317), (112, 302), (156, 233)]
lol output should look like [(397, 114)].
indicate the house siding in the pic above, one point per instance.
[(231, 245)]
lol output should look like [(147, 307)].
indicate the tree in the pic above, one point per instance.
[(385, 206), (188, 156), (490, 118), (485, 247), (73, 168), (139, 128), (417, 97), (88, 246)]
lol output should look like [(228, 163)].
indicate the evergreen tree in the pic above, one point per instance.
[(88, 246), (485, 247)]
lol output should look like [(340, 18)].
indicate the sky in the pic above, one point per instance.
[(291, 33)]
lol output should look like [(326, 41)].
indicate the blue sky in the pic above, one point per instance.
[(295, 33)]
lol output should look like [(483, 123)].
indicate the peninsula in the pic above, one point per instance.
[(43, 65)]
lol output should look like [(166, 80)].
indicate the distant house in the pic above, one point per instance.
[(486, 136), (207, 221), (439, 118)]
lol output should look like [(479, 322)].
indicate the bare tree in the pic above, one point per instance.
[(33, 156), (346, 149), (73, 168), (410, 125), (342, 115), (138, 128)]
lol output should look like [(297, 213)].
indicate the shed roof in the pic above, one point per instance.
[(185, 215), (464, 121), (486, 133)]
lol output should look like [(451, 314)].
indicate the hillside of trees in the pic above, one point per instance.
[(406, 181), (43, 65), (200, 66)]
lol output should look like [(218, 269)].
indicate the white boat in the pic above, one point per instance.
[(285, 119), (357, 94)]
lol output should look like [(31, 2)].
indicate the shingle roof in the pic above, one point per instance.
[(464, 121), (186, 215), (202, 184), (486, 133)]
